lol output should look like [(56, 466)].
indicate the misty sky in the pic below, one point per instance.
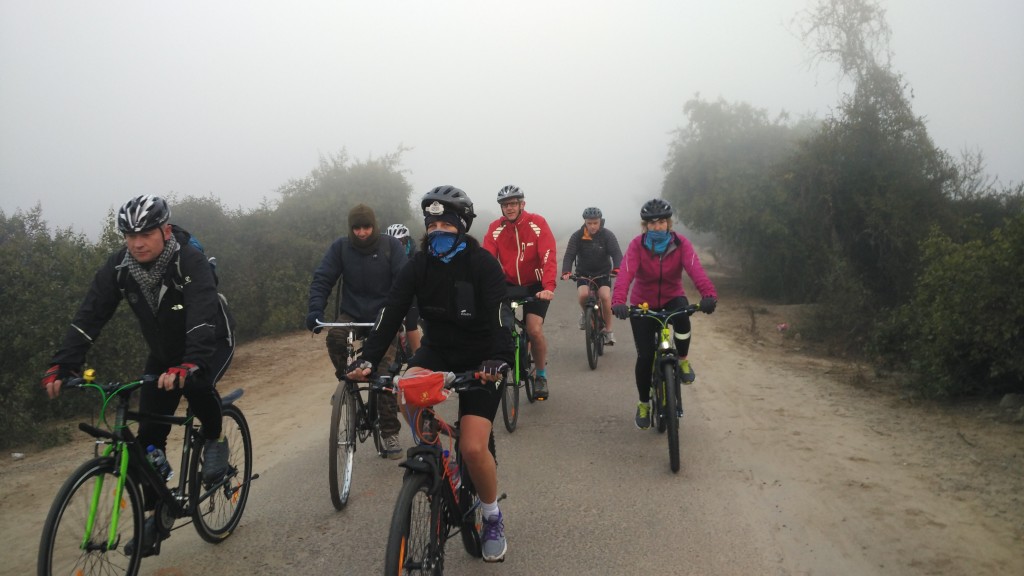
[(574, 102)]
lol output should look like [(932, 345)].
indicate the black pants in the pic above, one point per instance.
[(645, 332)]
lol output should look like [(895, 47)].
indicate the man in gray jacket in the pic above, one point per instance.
[(367, 262), (595, 251)]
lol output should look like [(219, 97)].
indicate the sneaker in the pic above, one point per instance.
[(149, 540), (215, 460), (493, 544), (688, 374), (609, 338), (540, 388), (392, 447), (643, 416), (582, 324)]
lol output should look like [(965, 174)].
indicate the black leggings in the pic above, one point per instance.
[(645, 334)]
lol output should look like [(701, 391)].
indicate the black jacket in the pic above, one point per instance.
[(592, 254), (459, 304), (189, 323), (367, 277)]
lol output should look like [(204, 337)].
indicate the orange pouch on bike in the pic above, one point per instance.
[(424, 390)]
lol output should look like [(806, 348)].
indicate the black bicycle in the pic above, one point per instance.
[(593, 320), (666, 403), (521, 374), (437, 499), (96, 522)]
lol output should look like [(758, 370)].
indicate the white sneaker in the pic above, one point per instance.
[(609, 339), (392, 447), (582, 327)]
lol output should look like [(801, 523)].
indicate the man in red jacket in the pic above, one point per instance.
[(525, 246)]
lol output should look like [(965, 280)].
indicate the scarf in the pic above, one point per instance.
[(150, 276)]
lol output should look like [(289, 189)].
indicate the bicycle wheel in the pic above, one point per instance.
[(418, 530), (526, 366), (599, 341), (373, 417), (658, 402), (510, 401), (471, 516), (217, 507), (342, 444), (74, 543), (671, 416), (591, 334)]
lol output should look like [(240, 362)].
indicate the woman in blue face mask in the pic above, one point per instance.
[(654, 264), (459, 287)]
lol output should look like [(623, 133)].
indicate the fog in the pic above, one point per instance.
[(575, 102)]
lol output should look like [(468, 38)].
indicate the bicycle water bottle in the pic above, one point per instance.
[(159, 461), (453, 469)]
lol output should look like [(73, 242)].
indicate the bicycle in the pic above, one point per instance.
[(438, 499), (593, 320), (666, 403), (521, 374), (353, 419), (98, 511)]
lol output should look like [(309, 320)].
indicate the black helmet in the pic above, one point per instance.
[(655, 209), (448, 199), (509, 192), (142, 213), (592, 213)]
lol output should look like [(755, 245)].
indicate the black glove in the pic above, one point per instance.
[(707, 304), (621, 311), (494, 367), (311, 319), (358, 364)]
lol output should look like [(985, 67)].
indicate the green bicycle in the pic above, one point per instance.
[(521, 374), (97, 516)]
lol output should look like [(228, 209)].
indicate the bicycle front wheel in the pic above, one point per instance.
[(217, 507), (526, 366), (591, 334), (671, 416), (91, 522), (510, 401), (373, 416), (418, 530), (342, 444)]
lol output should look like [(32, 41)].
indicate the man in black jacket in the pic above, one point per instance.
[(459, 287), (170, 287), (367, 262), (595, 251)]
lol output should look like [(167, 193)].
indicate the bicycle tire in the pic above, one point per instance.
[(418, 529), (60, 547), (599, 342), (216, 512), (342, 444), (373, 417), (671, 416), (657, 402), (471, 516), (591, 335), (510, 401), (525, 366)]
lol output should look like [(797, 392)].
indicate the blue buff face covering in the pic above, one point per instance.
[(441, 245), (657, 240)]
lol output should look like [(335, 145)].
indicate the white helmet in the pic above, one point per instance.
[(398, 231)]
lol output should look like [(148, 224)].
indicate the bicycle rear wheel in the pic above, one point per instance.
[(342, 444), (69, 546), (217, 507), (526, 366), (670, 415), (510, 401), (591, 334), (418, 530)]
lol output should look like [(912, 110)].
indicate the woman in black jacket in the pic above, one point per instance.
[(459, 287)]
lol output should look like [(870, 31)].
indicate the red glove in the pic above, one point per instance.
[(615, 272), (51, 376), (182, 373)]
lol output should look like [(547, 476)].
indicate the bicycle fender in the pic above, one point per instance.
[(423, 459), (231, 397)]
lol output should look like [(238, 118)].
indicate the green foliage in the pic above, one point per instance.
[(265, 259), (963, 331)]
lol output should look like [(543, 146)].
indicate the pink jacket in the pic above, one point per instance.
[(658, 279)]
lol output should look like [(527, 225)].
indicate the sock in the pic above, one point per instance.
[(542, 372), (490, 510)]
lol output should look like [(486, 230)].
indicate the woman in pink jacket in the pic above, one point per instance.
[(654, 264)]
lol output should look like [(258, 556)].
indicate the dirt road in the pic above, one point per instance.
[(792, 465)]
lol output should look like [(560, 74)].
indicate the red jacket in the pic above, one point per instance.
[(525, 248)]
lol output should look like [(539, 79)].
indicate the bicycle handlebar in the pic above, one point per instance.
[(644, 310), (454, 381), (591, 279), (320, 324)]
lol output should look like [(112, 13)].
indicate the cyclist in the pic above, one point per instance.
[(595, 251), (369, 262), (525, 246), (653, 265), (459, 287), (170, 287), (412, 320)]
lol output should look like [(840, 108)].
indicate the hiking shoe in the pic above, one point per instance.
[(609, 338), (149, 540), (540, 388), (688, 374), (392, 447), (215, 460), (643, 416), (493, 545), (582, 323)]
